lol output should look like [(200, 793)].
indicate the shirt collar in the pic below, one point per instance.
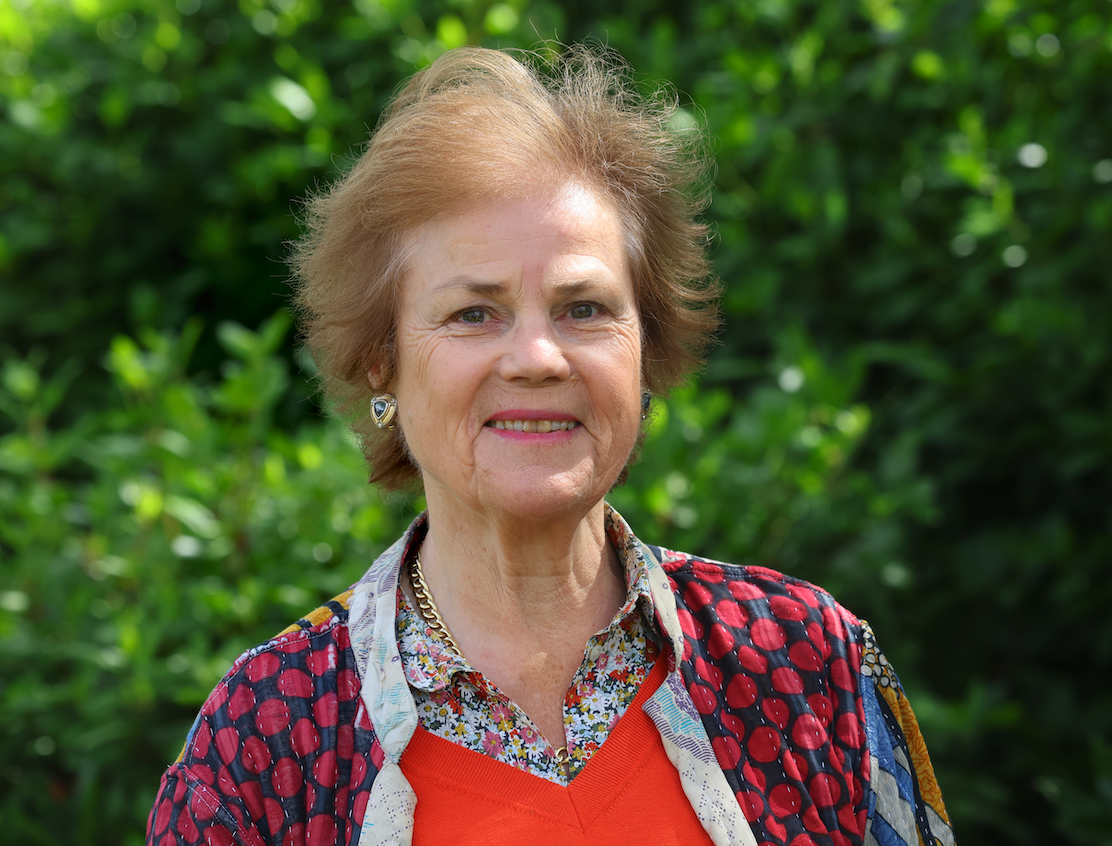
[(632, 555)]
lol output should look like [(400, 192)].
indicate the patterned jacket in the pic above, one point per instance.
[(784, 720)]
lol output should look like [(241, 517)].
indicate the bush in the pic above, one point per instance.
[(909, 405), (144, 549)]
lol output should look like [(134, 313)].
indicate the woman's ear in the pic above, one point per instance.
[(381, 371), (374, 376)]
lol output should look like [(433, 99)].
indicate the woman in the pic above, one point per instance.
[(502, 281)]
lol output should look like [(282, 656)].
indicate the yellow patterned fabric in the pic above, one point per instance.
[(319, 615), (920, 758)]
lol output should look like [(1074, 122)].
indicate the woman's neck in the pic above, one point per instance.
[(511, 573), (522, 599)]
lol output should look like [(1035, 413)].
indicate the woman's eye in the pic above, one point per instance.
[(473, 315), (583, 311)]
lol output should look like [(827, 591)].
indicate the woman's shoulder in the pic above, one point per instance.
[(308, 660), (316, 646), (697, 580), (284, 721)]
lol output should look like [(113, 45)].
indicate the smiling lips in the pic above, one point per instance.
[(540, 427)]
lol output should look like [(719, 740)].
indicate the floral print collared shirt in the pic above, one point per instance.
[(456, 702)]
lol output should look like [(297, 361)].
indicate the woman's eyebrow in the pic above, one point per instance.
[(573, 287), (473, 286)]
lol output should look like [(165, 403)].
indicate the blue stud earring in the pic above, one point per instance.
[(383, 408)]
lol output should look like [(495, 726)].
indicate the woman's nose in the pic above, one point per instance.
[(534, 352)]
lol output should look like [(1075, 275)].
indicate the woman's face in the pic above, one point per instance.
[(519, 355)]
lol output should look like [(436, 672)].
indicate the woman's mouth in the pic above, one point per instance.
[(540, 427)]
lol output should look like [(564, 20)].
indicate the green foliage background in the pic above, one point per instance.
[(910, 405)]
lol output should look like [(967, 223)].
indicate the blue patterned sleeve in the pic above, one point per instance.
[(905, 804)]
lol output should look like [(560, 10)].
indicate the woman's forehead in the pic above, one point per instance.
[(572, 229)]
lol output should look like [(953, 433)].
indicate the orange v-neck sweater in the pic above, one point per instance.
[(629, 792)]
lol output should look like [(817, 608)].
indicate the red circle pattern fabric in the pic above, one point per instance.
[(281, 753), (772, 664)]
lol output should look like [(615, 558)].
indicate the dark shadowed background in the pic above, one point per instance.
[(910, 404)]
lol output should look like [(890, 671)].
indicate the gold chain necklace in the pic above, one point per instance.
[(427, 605), (431, 615)]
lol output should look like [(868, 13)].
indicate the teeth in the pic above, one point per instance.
[(540, 427)]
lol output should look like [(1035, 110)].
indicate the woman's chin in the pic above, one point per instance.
[(541, 493)]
